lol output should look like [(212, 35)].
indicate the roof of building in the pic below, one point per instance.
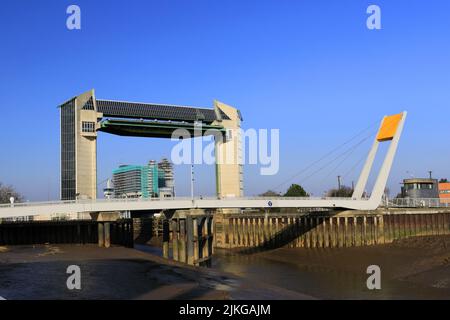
[(127, 168), (122, 109), (419, 180)]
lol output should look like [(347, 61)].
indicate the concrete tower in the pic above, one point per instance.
[(79, 147), (84, 115), (228, 151)]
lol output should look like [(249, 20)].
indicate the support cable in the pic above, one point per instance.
[(348, 151), (312, 164)]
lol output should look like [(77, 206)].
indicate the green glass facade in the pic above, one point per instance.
[(138, 181)]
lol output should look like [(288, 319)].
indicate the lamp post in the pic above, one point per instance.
[(192, 183)]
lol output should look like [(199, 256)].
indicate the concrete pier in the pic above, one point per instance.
[(189, 239)]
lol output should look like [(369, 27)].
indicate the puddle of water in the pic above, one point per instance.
[(157, 251)]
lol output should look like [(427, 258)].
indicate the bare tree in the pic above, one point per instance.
[(343, 192), (387, 192), (6, 192)]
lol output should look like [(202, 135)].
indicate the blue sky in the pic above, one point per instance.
[(309, 68)]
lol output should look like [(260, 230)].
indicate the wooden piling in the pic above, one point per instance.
[(205, 238), (166, 238), (381, 230), (190, 240), (182, 241), (101, 235), (107, 235), (175, 240), (266, 230), (251, 226), (240, 233), (196, 239)]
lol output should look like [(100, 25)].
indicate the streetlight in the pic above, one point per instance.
[(192, 183)]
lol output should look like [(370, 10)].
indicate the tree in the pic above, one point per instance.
[(344, 192), (7, 192), (270, 193), (443, 181), (296, 190)]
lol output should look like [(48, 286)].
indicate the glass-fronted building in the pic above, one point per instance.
[(68, 174), (132, 181)]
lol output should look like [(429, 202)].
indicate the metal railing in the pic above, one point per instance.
[(87, 201), (417, 203), (396, 202)]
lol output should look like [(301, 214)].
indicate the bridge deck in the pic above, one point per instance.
[(78, 206), (108, 205)]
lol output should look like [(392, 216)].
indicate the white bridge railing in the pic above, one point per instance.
[(58, 208), (140, 200), (396, 202)]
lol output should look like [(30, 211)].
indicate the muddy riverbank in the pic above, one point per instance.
[(39, 272), (414, 268)]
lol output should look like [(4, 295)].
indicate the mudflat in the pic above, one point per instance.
[(39, 272), (413, 268)]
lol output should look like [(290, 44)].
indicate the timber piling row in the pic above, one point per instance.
[(118, 232), (326, 231)]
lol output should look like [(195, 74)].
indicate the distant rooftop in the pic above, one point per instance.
[(419, 180)]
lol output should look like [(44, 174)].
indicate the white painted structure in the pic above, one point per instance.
[(390, 130)]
